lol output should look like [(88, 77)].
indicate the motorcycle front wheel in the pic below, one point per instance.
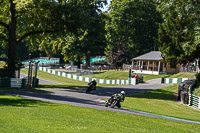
[(106, 105)]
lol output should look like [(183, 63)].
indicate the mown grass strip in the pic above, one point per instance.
[(114, 74), (21, 115), (161, 102), (65, 82), (183, 75)]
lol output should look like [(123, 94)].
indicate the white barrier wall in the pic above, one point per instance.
[(87, 79)]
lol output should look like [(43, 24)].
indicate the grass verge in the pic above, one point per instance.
[(112, 74), (149, 77), (183, 75), (197, 91), (64, 82), (21, 115), (162, 102)]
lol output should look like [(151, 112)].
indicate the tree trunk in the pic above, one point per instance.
[(12, 40), (127, 29), (79, 62), (88, 61)]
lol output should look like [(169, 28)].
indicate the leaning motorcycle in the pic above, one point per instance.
[(91, 86), (113, 101)]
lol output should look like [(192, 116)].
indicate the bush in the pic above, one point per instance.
[(197, 81), (196, 90), (2, 64), (198, 76)]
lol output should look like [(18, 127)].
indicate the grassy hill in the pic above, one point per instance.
[(112, 74), (183, 75)]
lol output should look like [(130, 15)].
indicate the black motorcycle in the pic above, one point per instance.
[(91, 86), (114, 101)]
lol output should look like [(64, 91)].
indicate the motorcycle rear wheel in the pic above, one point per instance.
[(88, 91)]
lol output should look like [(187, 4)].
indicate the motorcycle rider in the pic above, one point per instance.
[(91, 86), (121, 97)]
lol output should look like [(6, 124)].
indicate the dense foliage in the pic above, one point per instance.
[(41, 24), (179, 33), (77, 29), (90, 40), (132, 27)]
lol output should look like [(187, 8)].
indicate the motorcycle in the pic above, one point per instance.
[(91, 86), (114, 101)]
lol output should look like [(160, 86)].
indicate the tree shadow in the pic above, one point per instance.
[(100, 91), (42, 95), (21, 102), (98, 72)]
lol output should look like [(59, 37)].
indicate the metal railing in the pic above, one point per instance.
[(189, 69)]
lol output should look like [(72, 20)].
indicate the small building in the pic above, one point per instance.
[(153, 63)]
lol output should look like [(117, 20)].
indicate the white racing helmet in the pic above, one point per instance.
[(122, 92)]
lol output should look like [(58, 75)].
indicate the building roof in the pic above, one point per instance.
[(153, 55)]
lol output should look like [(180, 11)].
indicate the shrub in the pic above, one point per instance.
[(196, 90)]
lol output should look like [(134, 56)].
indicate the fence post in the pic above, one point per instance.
[(190, 100), (133, 81), (162, 80)]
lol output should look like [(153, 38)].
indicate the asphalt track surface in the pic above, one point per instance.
[(78, 97)]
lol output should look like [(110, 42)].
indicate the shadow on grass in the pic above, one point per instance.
[(156, 94), (20, 102), (54, 96), (98, 72)]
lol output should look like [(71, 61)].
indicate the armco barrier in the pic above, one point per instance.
[(13, 82), (131, 81), (16, 83), (194, 101)]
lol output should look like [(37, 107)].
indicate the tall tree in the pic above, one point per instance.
[(35, 21), (179, 34), (90, 40), (131, 28)]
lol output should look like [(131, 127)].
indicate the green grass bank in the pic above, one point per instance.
[(21, 115)]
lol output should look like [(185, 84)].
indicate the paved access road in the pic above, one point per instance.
[(78, 97), (41, 81)]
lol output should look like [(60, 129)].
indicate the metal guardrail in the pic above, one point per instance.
[(13, 82), (194, 101), (185, 94)]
